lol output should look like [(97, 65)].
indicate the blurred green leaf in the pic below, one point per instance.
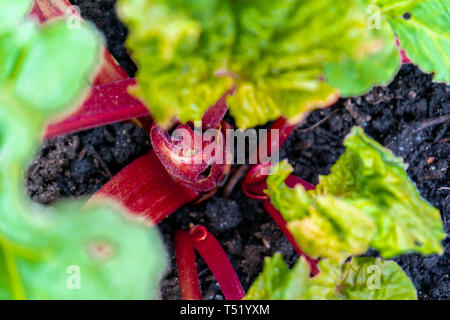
[(423, 28), (49, 57), (67, 251), (12, 12), (83, 253)]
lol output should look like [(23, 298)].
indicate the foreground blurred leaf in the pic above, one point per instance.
[(113, 259), (65, 252)]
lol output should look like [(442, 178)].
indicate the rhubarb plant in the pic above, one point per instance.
[(71, 250), (367, 201), (265, 59)]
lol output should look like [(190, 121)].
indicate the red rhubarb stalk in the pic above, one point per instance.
[(44, 10), (211, 251), (279, 220), (214, 115), (271, 143), (107, 103), (254, 185), (405, 59), (101, 108), (186, 266), (110, 70), (159, 182), (145, 188)]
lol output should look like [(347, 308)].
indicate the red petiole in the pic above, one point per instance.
[(254, 185), (186, 266), (107, 103), (279, 220), (200, 239)]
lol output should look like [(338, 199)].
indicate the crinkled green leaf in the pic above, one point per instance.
[(423, 28), (366, 201), (372, 179), (178, 45), (275, 53), (323, 226), (67, 251), (359, 279), (374, 279)]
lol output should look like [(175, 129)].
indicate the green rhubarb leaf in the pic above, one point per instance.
[(272, 282), (68, 251), (359, 279), (323, 226), (423, 29), (372, 179), (373, 279), (178, 45), (366, 201), (277, 55)]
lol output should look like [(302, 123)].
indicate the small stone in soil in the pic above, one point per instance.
[(223, 214)]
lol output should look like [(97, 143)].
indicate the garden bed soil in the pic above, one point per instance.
[(410, 117)]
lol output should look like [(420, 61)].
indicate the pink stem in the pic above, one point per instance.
[(215, 113), (284, 130), (211, 251), (279, 220), (107, 103), (145, 188), (405, 59), (186, 266), (254, 185)]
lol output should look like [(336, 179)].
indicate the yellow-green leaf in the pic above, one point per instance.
[(324, 225), (366, 201), (275, 53), (359, 279)]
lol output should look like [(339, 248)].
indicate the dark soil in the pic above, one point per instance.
[(79, 164), (410, 116), (103, 14)]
